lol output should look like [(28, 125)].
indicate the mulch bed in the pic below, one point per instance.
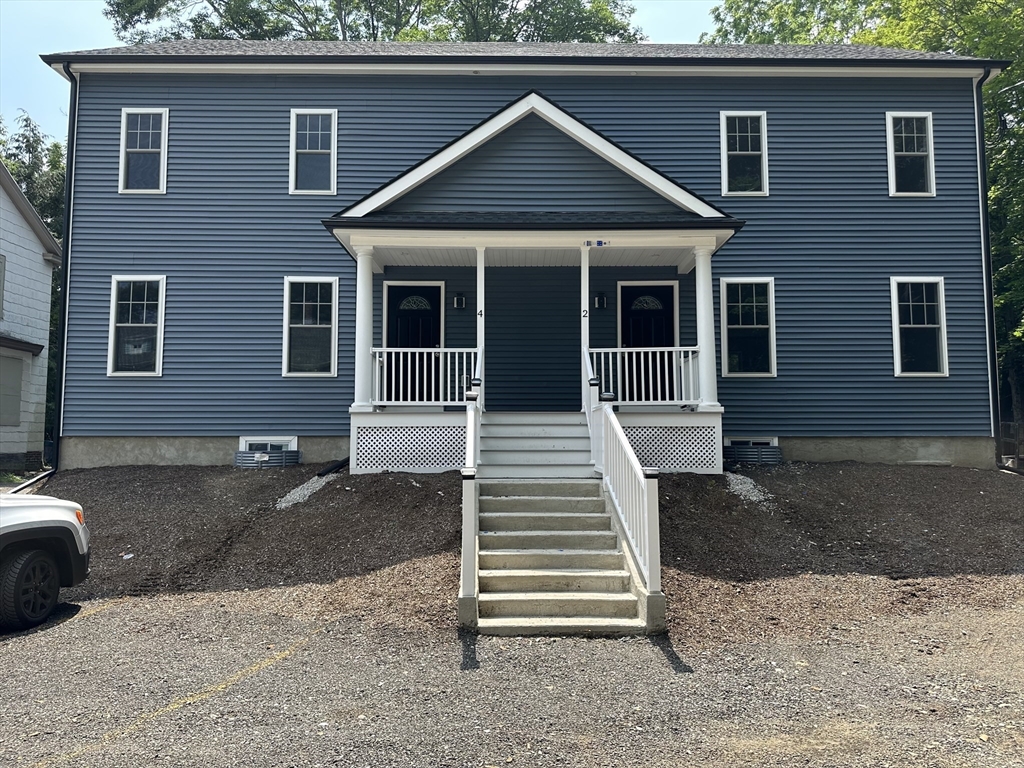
[(836, 545)]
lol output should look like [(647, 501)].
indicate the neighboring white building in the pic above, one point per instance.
[(28, 255)]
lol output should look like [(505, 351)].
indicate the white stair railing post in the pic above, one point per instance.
[(653, 546)]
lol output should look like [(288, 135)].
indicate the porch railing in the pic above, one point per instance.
[(634, 493), (468, 587), (648, 375), (422, 376)]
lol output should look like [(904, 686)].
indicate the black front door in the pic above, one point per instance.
[(414, 322), (648, 318)]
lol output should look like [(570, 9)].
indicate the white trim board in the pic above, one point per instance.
[(286, 336), (723, 139), (333, 114), (898, 372), (158, 368), (480, 69), (890, 154), (164, 113), (532, 104), (724, 325)]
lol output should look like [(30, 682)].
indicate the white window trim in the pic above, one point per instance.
[(291, 440), (773, 442), (618, 306), (334, 152), (896, 352), (384, 305), (114, 280), (163, 150), (724, 325), (723, 139), (890, 152), (286, 337)]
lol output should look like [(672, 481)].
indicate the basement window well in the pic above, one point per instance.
[(268, 443)]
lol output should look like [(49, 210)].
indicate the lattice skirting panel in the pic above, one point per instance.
[(409, 448), (679, 449)]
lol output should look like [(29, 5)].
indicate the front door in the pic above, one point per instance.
[(413, 322), (647, 315)]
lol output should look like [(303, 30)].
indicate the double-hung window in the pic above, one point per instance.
[(919, 326), (744, 153), (310, 326), (911, 156), (136, 339), (143, 165), (314, 152), (748, 326)]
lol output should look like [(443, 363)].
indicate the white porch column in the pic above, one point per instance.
[(707, 361), (585, 296), (364, 329), (480, 265)]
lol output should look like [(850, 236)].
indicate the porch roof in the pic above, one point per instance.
[(533, 220)]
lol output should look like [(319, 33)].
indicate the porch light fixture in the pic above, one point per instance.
[(601, 301), (459, 301)]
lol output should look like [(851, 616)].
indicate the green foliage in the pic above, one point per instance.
[(36, 162), (140, 21), (992, 29)]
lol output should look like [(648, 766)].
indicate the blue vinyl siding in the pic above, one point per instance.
[(227, 232), (563, 176)]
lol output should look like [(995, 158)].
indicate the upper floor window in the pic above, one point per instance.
[(310, 326), (314, 152), (911, 158), (919, 326), (136, 339), (744, 153), (143, 151), (748, 326)]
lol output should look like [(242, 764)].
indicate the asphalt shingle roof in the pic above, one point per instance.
[(342, 51), (533, 220)]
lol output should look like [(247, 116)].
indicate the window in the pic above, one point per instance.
[(911, 160), (11, 369), (310, 326), (748, 326), (260, 443), (143, 151), (918, 326), (136, 325), (744, 153), (314, 152)]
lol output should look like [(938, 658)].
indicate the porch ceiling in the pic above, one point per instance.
[(445, 256)]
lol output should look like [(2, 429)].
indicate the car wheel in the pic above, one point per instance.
[(29, 585)]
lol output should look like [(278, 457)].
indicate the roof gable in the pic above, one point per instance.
[(531, 104)]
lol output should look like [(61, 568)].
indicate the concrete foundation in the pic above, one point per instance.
[(978, 452), (88, 452)]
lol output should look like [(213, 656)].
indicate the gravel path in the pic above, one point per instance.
[(797, 639)]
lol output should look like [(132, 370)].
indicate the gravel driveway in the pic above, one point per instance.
[(354, 659)]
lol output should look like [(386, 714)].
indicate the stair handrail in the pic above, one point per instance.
[(590, 405), (468, 580), (633, 489)]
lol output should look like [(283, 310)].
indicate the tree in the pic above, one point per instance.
[(991, 29), (37, 163), (139, 21)]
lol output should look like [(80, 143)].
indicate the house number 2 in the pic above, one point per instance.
[(585, 313)]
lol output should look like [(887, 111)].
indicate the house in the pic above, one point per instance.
[(28, 256), (528, 261)]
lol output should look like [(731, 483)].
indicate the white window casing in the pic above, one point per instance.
[(291, 442), (288, 325), (112, 356), (892, 151), (766, 442), (724, 284), (939, 327), (294, 150), (726, 153), (122, 168)]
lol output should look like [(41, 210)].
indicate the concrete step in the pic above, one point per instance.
[(548, 540), (534, 417), (560, 604), (499, 457), (522, 471), (554, 625), (553, 580), (559, 559), (544, 521), (536, 443), (585, 504), (547, 488)]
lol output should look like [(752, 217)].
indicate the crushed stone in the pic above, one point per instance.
[(304, 491), (746, 488)]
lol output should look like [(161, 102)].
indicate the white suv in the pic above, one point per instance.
[(44, 545)]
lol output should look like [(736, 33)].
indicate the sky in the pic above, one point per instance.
[(29, 28)]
